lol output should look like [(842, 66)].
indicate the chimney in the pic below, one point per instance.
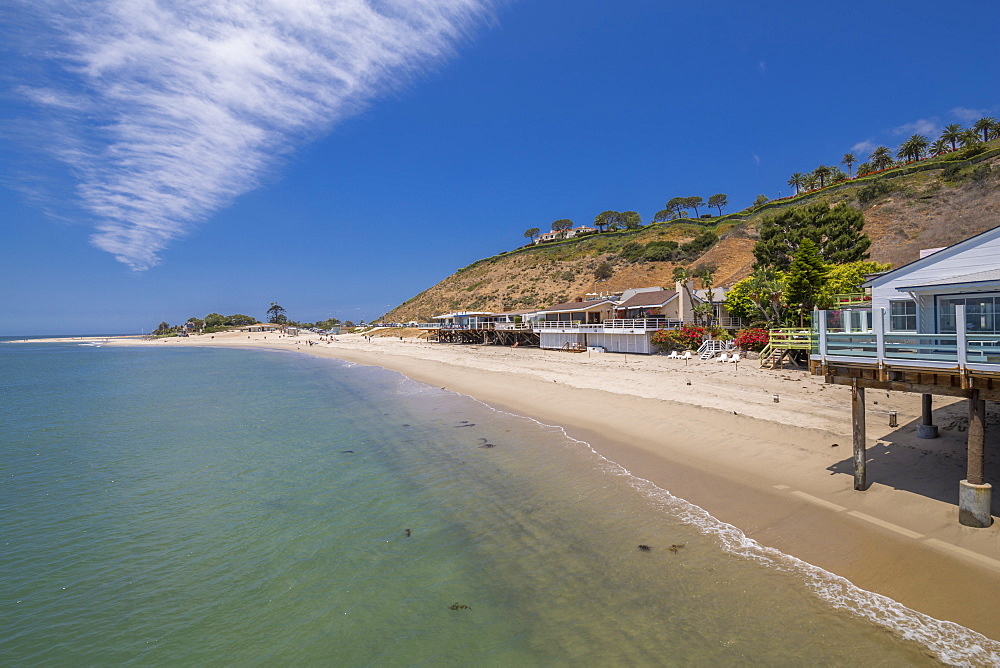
[(683, 302), (578, 299)]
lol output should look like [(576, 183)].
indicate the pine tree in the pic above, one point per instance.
[(837, 232), (805, 278)]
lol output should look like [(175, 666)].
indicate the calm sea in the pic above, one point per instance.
[(208, 506)]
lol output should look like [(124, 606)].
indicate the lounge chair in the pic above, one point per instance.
[(724, 357), (735, 357), (674, 355), (687, 355)]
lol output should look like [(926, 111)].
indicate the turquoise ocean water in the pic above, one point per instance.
[(213, 506)]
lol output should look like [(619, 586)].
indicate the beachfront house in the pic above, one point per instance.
[(720, 316), (620, 324), (461, 319), (932, 326), (566, 325), (654, 304)]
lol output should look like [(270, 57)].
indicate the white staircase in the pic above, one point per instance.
[(710, 348)]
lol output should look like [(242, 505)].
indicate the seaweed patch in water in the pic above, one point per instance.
[(645, 548), (459, 606), (674, 548)]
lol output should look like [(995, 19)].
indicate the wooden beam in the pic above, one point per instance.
[(977, 435), (858, 428), (919, 388)]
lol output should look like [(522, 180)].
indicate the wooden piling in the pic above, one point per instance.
[(858, 427), (926, 417), (977, 435)]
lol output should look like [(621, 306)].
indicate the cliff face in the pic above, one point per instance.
[(922, 210)]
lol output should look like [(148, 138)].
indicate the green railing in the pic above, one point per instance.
[(787, 339), (854, 299), (791, 338)]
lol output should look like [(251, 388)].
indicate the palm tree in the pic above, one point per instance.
[(881, 158), (837, 175), (810, 181), (798, 181), (987, 125), (865, 168), (940, 146), (913, 148), (821, 173), (952, 134), (969, 138), (849, 160)]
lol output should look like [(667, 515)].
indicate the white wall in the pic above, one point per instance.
[(550, 340), (980, 253), (622, 343)]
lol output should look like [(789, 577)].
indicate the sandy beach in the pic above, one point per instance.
[(714, 434)]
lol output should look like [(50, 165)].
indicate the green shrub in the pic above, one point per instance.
[(631, 251), (700, 243), (874, 190), (659, 251), (981, 173)]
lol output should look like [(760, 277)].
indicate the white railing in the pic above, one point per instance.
[(557, 324), (613, 325), (516, 326)]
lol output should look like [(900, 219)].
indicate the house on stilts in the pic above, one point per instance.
[(932, 327)]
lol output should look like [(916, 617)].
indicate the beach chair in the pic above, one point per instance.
[(674, 355), (724, 357), (735, 357), (687, 355)]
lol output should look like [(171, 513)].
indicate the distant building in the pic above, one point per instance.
[(567, 234)]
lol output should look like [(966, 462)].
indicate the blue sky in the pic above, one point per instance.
[(161, 160)]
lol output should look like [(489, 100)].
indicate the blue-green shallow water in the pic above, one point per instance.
[(201, 506)]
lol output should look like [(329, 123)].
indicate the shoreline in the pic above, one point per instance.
[(718, 441)]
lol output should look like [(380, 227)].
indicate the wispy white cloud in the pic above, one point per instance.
[(167, 111), (756, 159), (930, 127), (967, 115), (863, 147), (762, 66)]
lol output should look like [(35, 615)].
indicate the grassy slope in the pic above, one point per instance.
[(923, 211)]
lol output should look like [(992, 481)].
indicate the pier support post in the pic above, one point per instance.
[(974, 494), (926, 428), (858, 427)]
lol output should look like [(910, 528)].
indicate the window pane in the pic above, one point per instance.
[(903, 316), (948, 315)]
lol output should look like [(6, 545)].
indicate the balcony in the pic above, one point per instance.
[(840, 337), (615, 326)]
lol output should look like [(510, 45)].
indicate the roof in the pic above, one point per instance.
[(523, 312), (718, 294), (649, 299), (988, 276), (575, 306), (933, 258), (460, 314)]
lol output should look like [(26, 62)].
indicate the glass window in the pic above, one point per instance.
[(981, 314), (903, 316)]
